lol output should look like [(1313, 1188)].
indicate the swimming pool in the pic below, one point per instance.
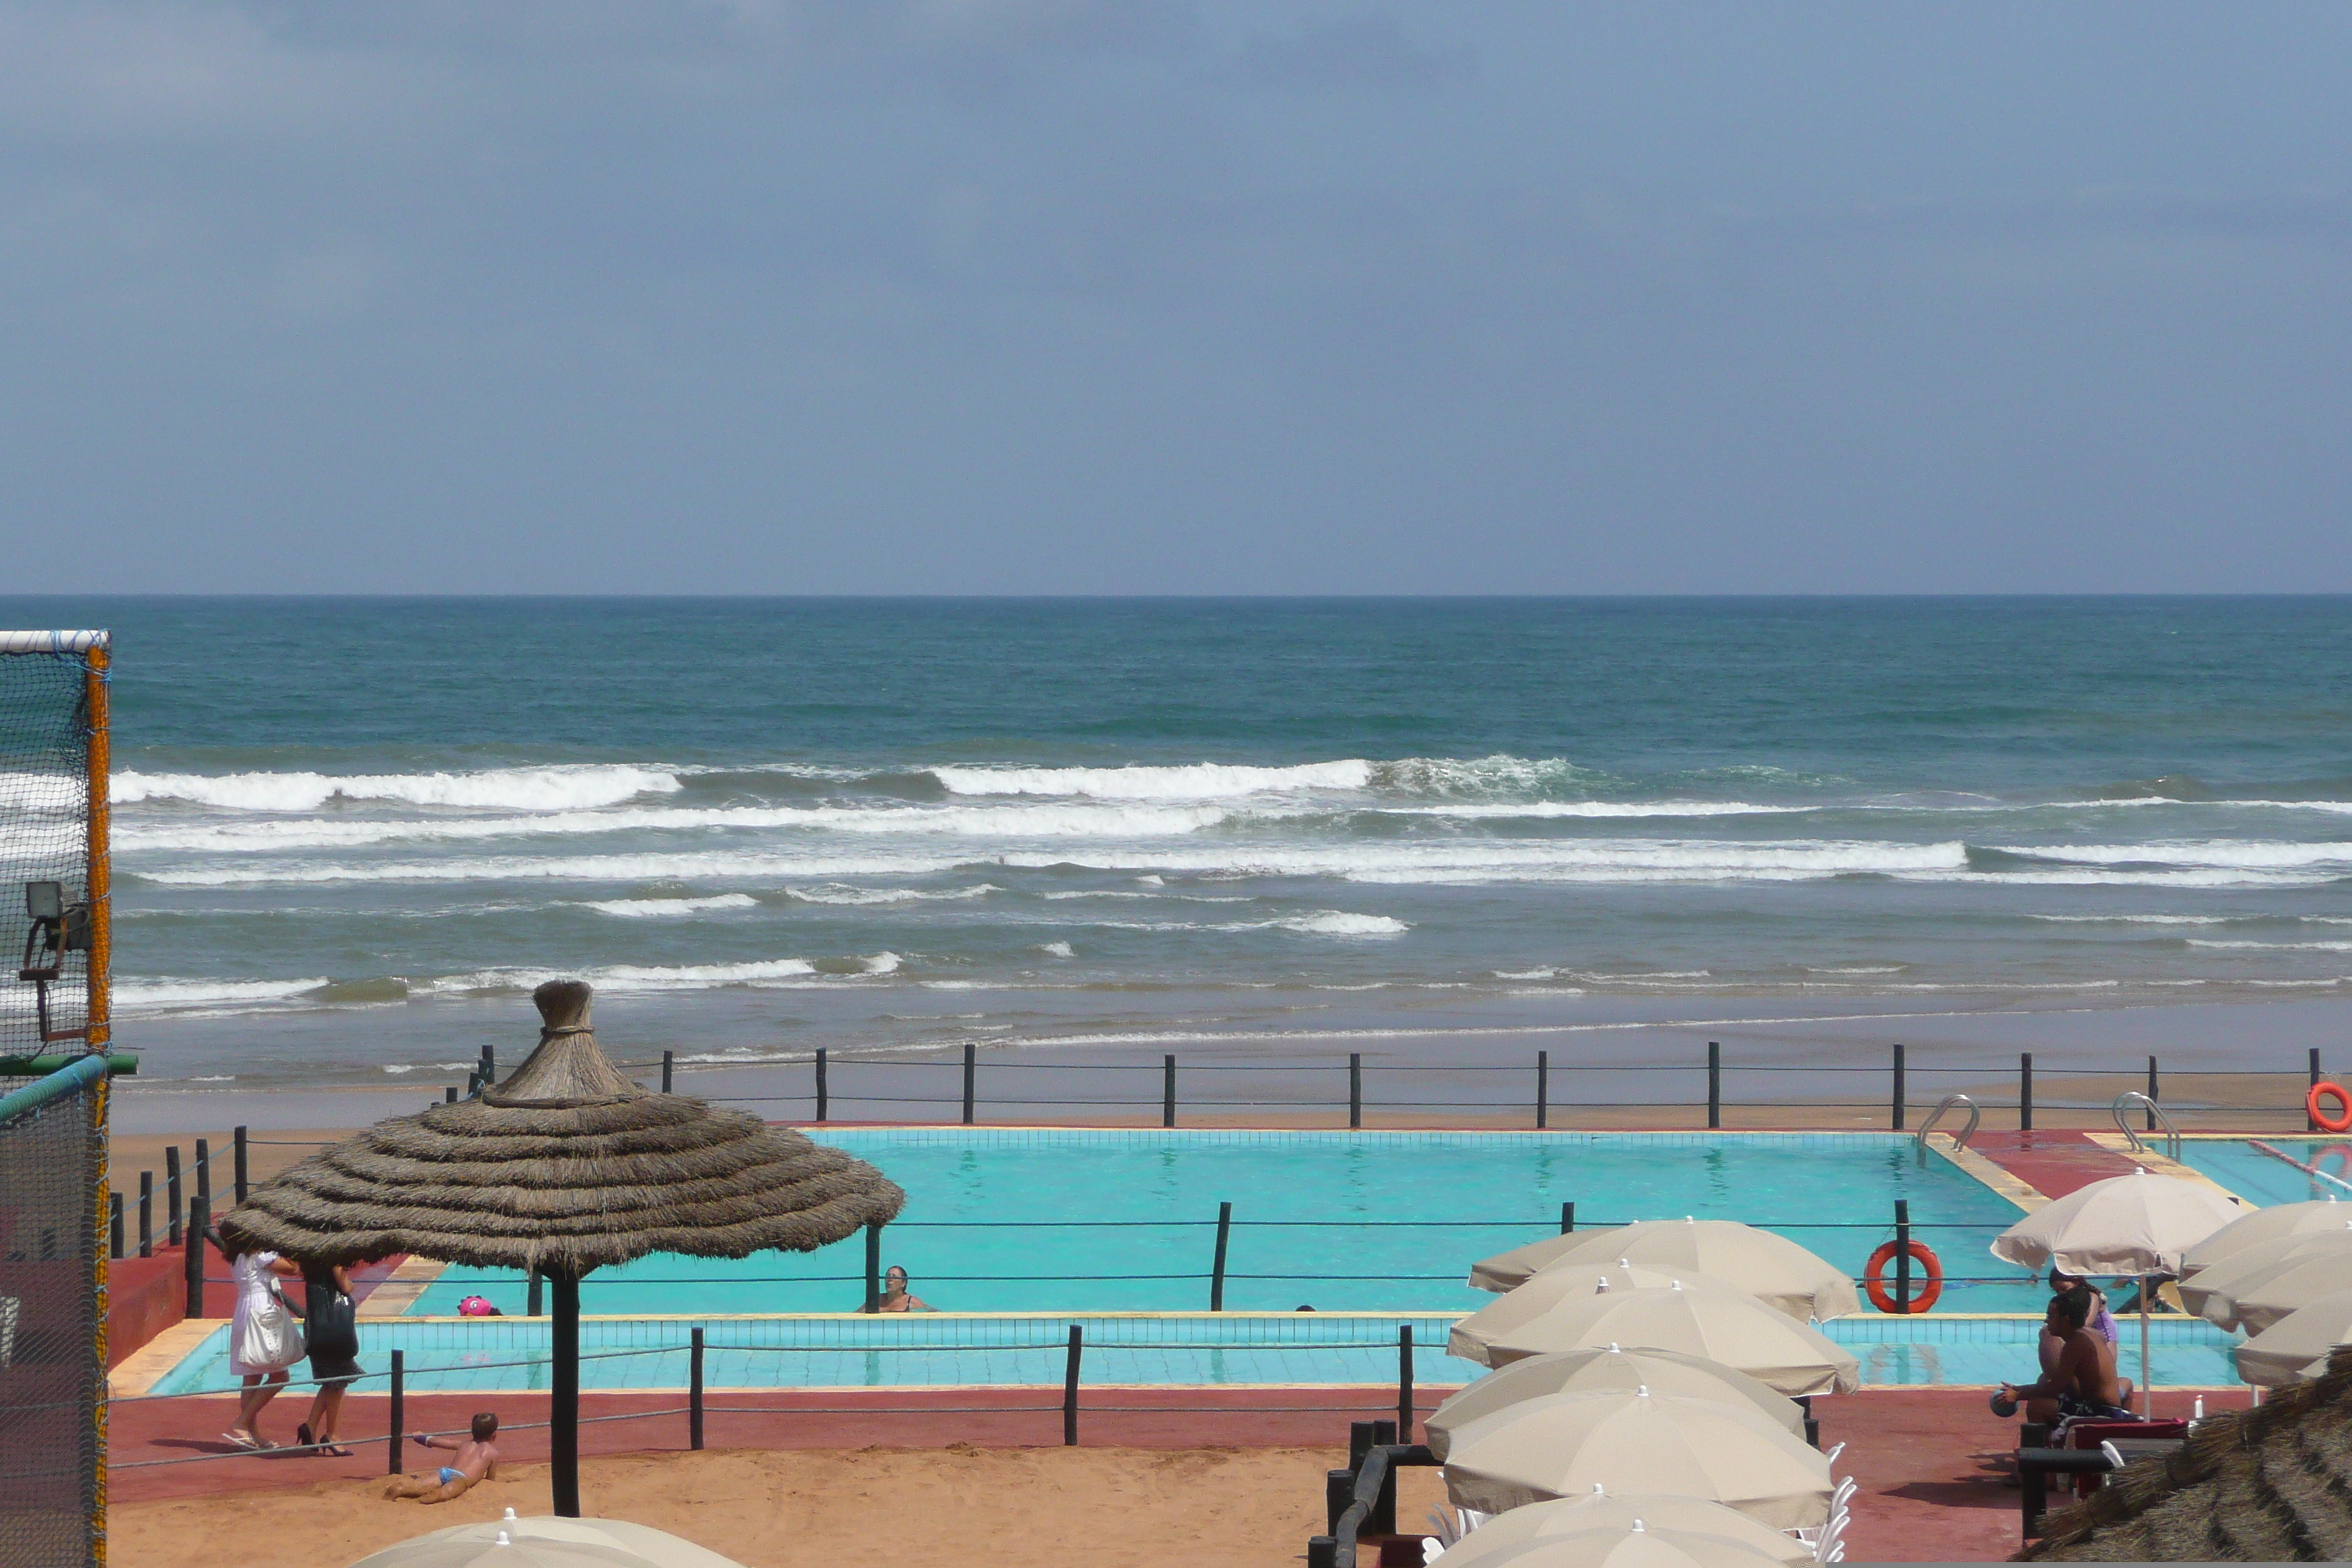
[(2258, 1178), (1067, 1220), (1019, 1350)]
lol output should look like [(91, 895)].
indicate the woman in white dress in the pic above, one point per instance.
[(263, 1341)]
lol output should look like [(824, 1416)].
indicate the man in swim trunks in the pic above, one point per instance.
[(477, 1460), (2082, 1383)]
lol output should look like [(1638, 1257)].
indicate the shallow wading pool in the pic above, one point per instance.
[(1179, 1350)]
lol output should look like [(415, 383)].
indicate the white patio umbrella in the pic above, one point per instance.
[(1634, 1544), (2283, 1352), (2212, 1294), (2137, 1224), (1565, 1444), (1771, 1267), (545, 1542), (1713, 1324), (1568, 1281), (2292, 1284), (2254, 1227), (1576, 1371), (1569, 1516)]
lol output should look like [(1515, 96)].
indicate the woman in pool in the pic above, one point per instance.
[(896, 1296)]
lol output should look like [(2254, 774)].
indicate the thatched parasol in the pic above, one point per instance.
[(565, 1167)]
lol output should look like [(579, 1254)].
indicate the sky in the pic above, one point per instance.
[(1159, 296)]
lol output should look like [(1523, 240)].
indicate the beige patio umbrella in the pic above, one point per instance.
[(2137, 1224), (1565, 1444), (1569, 1280), (2212, 1293), (544, 1542), (1575, 1371), (2255, 1226), (1569, 1516), (1713, 1324), (563, 1168), (2284, 1352), (1637, 1543), (1771, 1267), (2289, 1286), (1509, 1270)]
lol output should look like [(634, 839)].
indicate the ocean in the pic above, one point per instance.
[(350, 835)]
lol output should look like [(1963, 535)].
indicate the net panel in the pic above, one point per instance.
[(52, 1151), (52, 1349), (45, 737)]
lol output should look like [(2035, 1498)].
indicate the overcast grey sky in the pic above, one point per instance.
[(1080, 296)]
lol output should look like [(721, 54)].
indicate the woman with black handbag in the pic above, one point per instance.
[(334, 1334)]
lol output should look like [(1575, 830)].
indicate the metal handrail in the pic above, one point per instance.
[(1975, 1115), (2155, 1112)]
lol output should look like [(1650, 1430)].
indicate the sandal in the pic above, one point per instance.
[(337, 1451), (237, 1440), (302, 1437)]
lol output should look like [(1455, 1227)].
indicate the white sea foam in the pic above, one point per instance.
[(1335, 922), (142, 994), (1544, 973), (1196, 781), (1598, 808), (1056, 821), (841, 893), (525, 789), (2248, 853), (1056, 950), (645, 909), (2278, 946), (709, 865)]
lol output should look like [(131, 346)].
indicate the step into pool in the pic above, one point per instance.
[(1071, 1220), (1227, 1350)]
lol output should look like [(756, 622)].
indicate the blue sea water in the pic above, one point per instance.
[(349, 832)]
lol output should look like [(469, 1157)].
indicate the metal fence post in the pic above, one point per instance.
[(1898, 1088), (449, 1094), (669, 1067), (1217, 1269), (822, 1099), (394, 1436), (114, 1225), (1567, 1218), (1713, 1084), (473, 1084), (2151, 1094), (1404, 1382), (1902, 1255), (694, 1392), (2025, 1091), (146, 1213), (172, 1195), (199, 1216), (203, 1172), (1070, 1389), (1381, 1520), (874, 1267), (490, 1067), (970, 1056), (239, 1163), (1543, 1089), (2314, 1083), (1355, 1089), (1168, 1091), (533, 1301)]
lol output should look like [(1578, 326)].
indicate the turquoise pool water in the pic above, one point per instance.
[(1009, 1219), (2254, 1175), (1197, 1350)]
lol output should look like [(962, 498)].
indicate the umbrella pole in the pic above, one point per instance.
[(2146, 1398), (563, 1403)]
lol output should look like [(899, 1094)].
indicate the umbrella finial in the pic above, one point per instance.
[(1613, 1351), (1642, 1390), (1638, 1527)]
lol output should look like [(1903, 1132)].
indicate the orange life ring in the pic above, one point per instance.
[(1874, 1283), (2342, 1096)]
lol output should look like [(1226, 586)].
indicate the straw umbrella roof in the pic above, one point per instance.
[(565, 1167), (2266, 1485)]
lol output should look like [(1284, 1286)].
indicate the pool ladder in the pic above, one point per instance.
[(2132, 1097), (1967, 1132)]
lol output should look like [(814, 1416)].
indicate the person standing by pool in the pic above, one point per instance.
[(334, 1334), (264, 1340), (896, 1296)]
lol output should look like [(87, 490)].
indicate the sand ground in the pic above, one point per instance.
[(864, 1508)]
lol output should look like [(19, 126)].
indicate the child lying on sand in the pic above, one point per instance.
[(478, 1459)]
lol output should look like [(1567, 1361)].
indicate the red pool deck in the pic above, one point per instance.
[(2054, 1163), (1930, 1461)]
